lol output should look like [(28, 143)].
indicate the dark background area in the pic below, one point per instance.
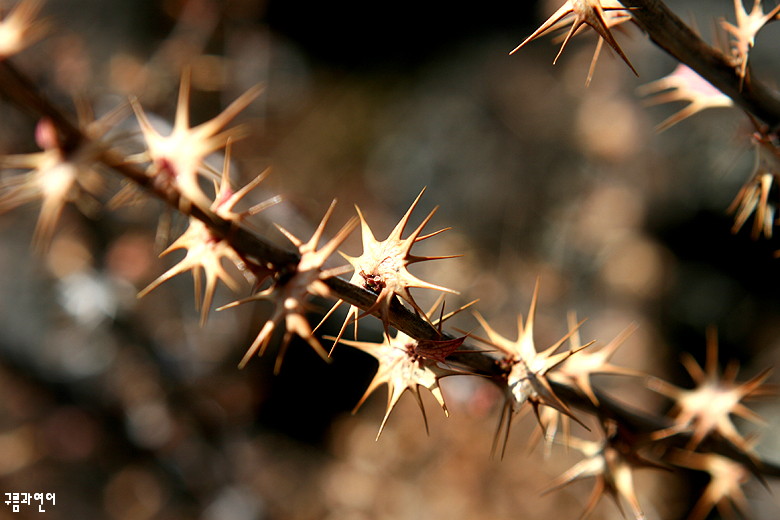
[(399, 37)]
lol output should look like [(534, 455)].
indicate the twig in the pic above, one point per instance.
[(673, 36)]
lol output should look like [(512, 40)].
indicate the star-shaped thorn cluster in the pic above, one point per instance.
[(745, 31), (20, 28), (576, 371), (383, 268), (56, 176), (290, 290), (707, 408), (610, 462), (585, 12), (527, 371), (402, 368), (177, 159), (683, 84), (757, 197), (206, 250), (724, 489)]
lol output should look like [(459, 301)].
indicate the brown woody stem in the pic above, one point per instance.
[(673, 36), (23, 93)]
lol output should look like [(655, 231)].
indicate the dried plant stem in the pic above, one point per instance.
[(24, 94), (15, 86), (673, 36)]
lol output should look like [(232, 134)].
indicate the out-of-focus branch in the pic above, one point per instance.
[(672, 35)]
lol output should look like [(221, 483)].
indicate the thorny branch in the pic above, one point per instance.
[(21, 91), (663, 27), (672, 35)]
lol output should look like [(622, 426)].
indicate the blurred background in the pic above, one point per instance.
[(127, 409)]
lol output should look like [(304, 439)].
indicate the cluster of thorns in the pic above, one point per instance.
[(549, 382)]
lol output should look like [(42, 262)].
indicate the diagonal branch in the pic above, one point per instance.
[(673, 36), (25, 95), (22, 92)]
